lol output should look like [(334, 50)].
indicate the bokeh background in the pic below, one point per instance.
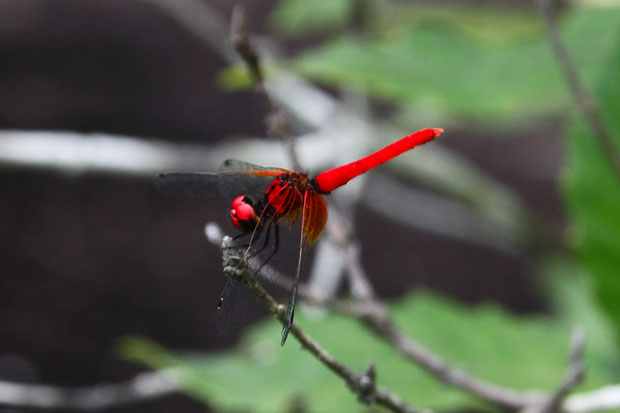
[(505, 230)]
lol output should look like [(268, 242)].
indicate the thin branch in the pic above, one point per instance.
[(276, 120), (378, 321), (374, 315), (144, 386), (360, 286), (77, 152), (235, 267), (582, 98)]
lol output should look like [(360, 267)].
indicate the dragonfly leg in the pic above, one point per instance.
[(256, 233), (265, 241), (272, 250)]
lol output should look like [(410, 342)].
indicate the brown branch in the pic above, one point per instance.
[(374, 316), (276, 120), (377, 320), (363, 384), (581, 97)]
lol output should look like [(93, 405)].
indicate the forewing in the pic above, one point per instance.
[(235, 165), (244, 178), (188, 185), (234, 178), (238, 306)]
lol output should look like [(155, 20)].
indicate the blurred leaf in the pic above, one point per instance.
[(450, 68), (234, 78), (294, 17), (261, 376), (592, 191), (489, 23), (573, 296)]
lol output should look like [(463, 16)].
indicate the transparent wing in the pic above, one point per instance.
[(234, 178), (235, 165), (238, 307)]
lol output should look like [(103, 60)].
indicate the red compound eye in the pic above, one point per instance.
[(242, 213)]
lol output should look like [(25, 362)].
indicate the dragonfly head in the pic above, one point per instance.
[(242, 213)]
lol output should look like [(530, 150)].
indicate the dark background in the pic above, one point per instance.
[(88, 258)]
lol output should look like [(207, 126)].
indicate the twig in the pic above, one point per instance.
[(276, 120), (359, 285), (582, 98), (377, 320), (375, 316), (235, 267), (144, 386)]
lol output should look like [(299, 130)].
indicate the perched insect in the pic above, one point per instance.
[(265, 197)]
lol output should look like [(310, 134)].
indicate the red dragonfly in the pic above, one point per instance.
[(285, 196)]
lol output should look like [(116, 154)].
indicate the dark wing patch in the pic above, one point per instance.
[(190, 185)]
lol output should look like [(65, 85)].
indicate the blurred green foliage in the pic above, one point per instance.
[(592, 191), (483, 65), (298, 17), (460, 70)]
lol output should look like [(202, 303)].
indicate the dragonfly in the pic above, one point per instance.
[(265, 197)]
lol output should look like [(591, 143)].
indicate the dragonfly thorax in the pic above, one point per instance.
[(285, 195)]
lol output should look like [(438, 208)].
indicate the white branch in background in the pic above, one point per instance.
[(142, 387), (605, 398), (100, 152)]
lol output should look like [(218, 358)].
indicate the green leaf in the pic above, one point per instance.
[(449, 68), (234, 78), (592, 190), (296, 17), (493, 24), (261, 376)]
